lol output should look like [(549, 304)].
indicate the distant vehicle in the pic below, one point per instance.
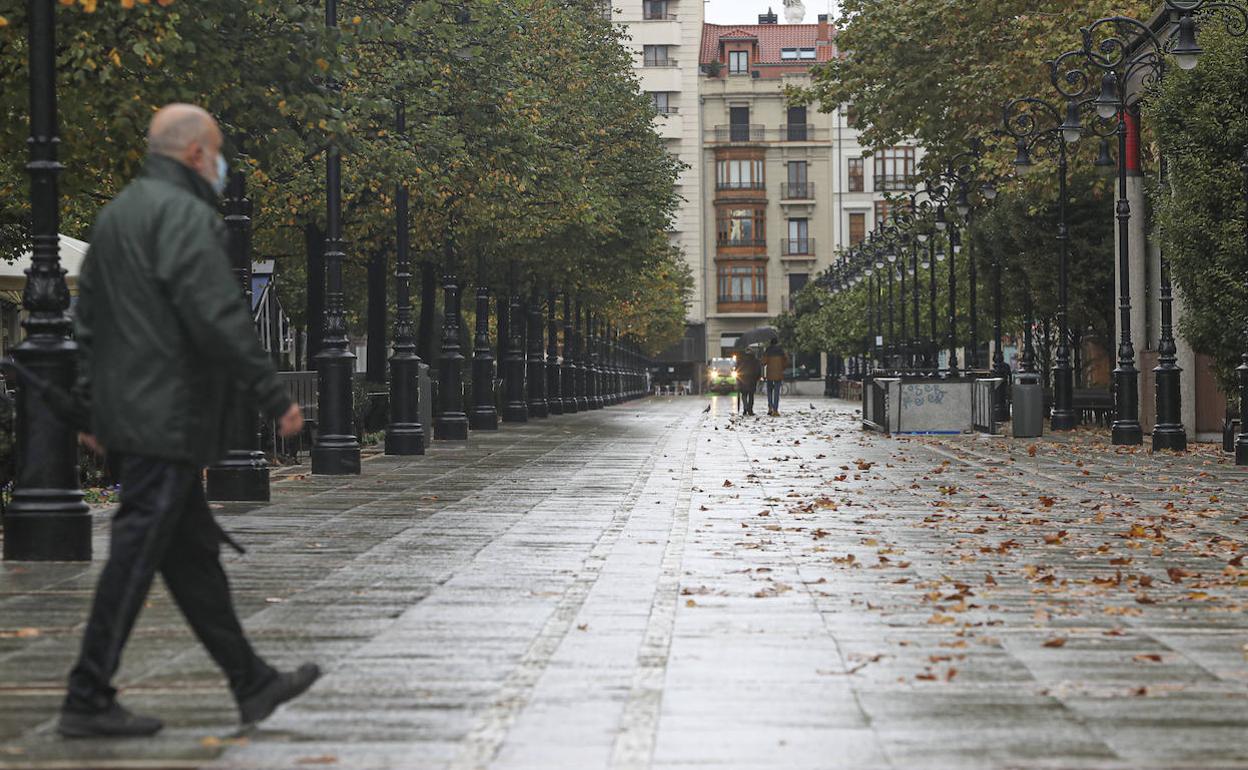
[(721, 375)]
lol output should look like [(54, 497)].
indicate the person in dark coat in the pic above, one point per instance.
[(775, 360), (165, 341), (748, 373)]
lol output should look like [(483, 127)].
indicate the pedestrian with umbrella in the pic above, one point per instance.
[(775, 361)]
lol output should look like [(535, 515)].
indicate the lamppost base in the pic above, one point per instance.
[(405, 439), (596, 402), (451, 426), (39, 526), (515, 412), (242, 476), (1127, 433), (538, 409), (1241, 449), (1062, 420), (483, 418), (570, 406), (554, 407), (1170, 437), (336, 456)]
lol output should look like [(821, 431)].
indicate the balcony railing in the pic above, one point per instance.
[(893, 182), (658, 16), (801, 132), (659, 63), (797, 247), (740, 132), (797, 191), (671, 109), (740, 186), (755, 242), (743, 299)]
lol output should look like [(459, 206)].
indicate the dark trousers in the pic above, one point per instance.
[(164, 524), (747, 397), (773, 395)]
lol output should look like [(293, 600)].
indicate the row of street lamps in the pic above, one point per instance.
[(1117, 53), (48, 518)]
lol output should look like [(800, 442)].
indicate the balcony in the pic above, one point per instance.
[(797, 247), (750, 242), (893, 182), (797, 191), (739, 132), (720, 186), (754, 304), (649, 64), (658, 16), (802, 132)]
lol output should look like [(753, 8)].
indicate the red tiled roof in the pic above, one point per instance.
[(771, 38)]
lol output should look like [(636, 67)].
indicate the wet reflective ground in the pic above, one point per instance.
[(659, 586)]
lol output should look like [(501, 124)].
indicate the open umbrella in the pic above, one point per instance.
[(759, 336)]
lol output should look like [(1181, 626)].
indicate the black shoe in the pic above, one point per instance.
[(116, 722), (284, 687)]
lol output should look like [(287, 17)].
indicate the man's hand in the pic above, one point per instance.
[(90, 442), (290, 423)]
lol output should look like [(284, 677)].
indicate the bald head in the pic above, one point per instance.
[(189, 135)]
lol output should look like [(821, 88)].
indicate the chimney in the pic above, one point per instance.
[(823, 28), (768, 18)]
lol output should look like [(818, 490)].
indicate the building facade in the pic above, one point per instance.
[(785, 188), (666, 36)]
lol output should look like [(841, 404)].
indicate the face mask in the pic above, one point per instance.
[(222, 170)]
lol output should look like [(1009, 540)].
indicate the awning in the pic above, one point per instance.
[(13, 274)]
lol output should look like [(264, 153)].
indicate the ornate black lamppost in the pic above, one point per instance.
[(404, 435), (483, 415), (554, 382), (1000, 369), (451, 424), (47, 519), (243, 474), (1241, 372), (567, 364), (1037, 124), (514, 407), (1110, 47), (582, 360), (336, 450), (536, 364)]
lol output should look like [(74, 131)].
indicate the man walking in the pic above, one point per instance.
[(775, 360), (748, 373), (166, 340)]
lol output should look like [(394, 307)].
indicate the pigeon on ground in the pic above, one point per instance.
[(707, 409)]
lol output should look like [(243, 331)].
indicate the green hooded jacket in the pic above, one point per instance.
[(166, 340)]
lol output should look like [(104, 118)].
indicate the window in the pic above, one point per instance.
[(799, 238), (739, 124), (855, 174), (740, 227), (799, 187), (796, 128), (655, 9), (805, 53), (656, 56), (894, 169), (797, 53), (738, 62), (788, 53), (742, 282), (851, 116), (883, 211), (739, 175), (797, 282), (663, 102), (857, 228)]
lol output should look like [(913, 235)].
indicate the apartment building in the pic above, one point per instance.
[(666, 37), (785, 187)]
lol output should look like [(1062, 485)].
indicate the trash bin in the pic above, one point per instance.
[(1028, 405)]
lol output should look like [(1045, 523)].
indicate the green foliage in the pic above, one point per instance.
[(1202, 128), (939, 71), (527, 140)]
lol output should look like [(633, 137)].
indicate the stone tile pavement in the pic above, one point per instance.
[(659, 586)]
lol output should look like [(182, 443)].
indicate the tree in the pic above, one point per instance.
[(1202, 129)]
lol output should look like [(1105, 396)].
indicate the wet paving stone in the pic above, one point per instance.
[(659, 585)]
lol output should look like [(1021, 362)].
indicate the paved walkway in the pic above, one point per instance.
[(655, 586)]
